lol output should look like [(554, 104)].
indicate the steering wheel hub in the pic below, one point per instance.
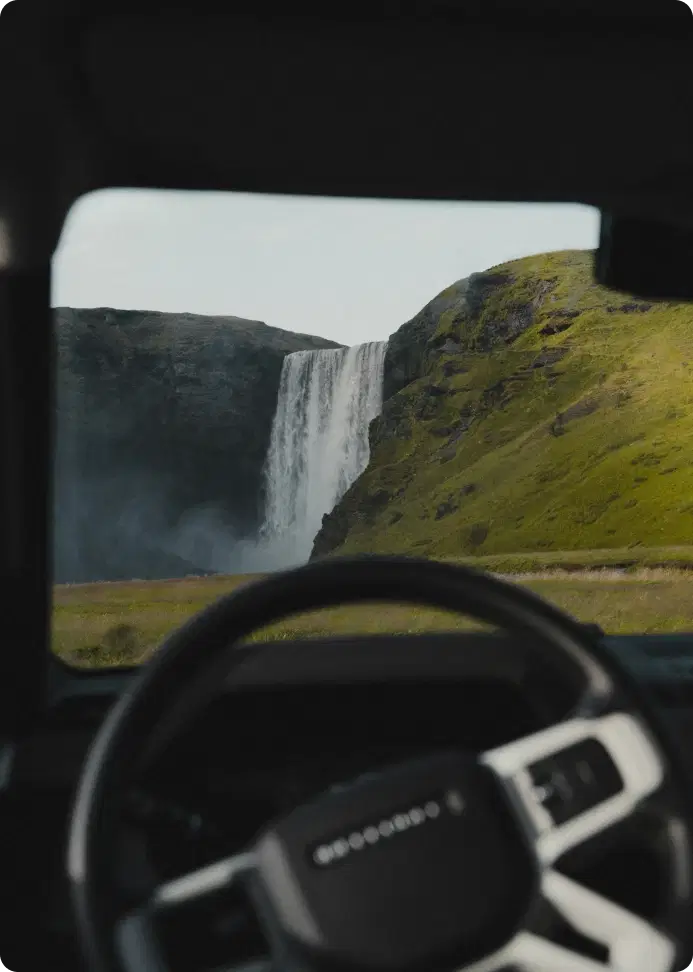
[(427, 862)]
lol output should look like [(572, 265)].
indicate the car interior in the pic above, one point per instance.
[(516, 796)]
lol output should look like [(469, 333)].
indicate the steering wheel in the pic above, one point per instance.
[(446, 863)]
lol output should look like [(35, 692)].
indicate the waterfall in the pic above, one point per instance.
[(319, 442)]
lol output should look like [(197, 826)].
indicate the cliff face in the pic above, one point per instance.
[(408, 348), (528, 409), (163, 423)]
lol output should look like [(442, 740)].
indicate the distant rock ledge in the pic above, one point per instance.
[(162, 419)]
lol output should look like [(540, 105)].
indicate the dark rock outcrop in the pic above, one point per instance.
[(482, 306), (163, 424), (407, 349), (333, 532), (406, 354)]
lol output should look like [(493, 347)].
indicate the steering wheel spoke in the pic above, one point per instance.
[(204, 882), (578, 778), (138, 939), (630, 943)]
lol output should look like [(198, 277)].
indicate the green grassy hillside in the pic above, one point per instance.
[(549, 414)]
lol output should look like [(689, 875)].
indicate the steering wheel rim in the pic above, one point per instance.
[(606, 691)]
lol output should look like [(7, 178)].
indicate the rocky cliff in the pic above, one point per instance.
[(163, 422)]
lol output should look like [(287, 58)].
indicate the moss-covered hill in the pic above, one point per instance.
[(529, 409)]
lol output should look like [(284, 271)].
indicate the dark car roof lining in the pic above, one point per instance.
[(451, 105), (388, 112)]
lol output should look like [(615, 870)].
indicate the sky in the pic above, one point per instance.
[(349, 270)]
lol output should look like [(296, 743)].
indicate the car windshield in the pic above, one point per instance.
[(248, 382)]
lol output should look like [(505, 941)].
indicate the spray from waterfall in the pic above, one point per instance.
[(319, 442)]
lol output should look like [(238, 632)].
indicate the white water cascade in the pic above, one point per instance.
[(319, 441)]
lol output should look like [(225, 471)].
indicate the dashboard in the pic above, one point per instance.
[(254, 755), (294, 719)]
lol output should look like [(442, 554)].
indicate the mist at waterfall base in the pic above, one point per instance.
[(318, 448)]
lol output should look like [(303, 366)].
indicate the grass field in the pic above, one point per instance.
[(98, 625)]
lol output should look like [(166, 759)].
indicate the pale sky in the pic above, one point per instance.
[(350, 270)]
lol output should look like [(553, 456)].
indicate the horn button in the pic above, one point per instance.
[(423, 863)]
